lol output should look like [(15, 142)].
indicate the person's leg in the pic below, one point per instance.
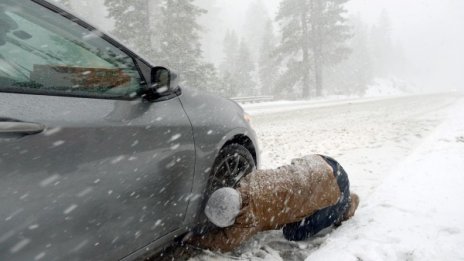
[(323, 218), (312, 225)]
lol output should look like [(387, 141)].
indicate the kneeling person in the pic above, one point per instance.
[(303, 198)]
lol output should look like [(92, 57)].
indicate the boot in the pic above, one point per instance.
[(354, 203)]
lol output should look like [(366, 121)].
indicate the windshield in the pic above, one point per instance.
[(43, 50)]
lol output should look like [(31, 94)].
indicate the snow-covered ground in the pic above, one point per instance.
[(404, 156)]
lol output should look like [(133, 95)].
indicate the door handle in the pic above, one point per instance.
[(20, 128)]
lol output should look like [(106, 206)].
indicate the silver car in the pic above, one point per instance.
[(102, 155)]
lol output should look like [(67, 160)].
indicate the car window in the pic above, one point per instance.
[(43, 52)]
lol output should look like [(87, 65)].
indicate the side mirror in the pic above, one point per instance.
[(163, 83)]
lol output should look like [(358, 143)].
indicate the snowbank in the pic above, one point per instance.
[(417, 213)]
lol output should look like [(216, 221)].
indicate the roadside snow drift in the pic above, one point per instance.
[(417, 213)]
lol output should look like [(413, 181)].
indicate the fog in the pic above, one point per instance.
[(431, 33), (411, 45)]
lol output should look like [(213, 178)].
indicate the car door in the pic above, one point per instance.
[(88, 171)]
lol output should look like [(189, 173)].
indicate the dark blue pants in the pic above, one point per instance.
[(323, 218)]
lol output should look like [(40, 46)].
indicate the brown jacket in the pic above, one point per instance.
[(274, 198)]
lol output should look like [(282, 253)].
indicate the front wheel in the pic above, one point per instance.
[(233, 163)]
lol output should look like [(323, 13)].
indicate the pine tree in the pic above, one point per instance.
[(360, 61), (244, 71), (313, 36), (230, 50), (229, 83), (167, 32), (179, 42), (382, 48), (353, 75), (131, 23), (212, 24), (237, 68), (266, 63), (255, 24), (259, 34)]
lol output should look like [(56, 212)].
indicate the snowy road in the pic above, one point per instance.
[(370, 138)]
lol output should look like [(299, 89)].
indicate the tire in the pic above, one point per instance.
[(233, 163)]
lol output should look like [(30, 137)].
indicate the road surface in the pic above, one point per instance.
[(368, 137)]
